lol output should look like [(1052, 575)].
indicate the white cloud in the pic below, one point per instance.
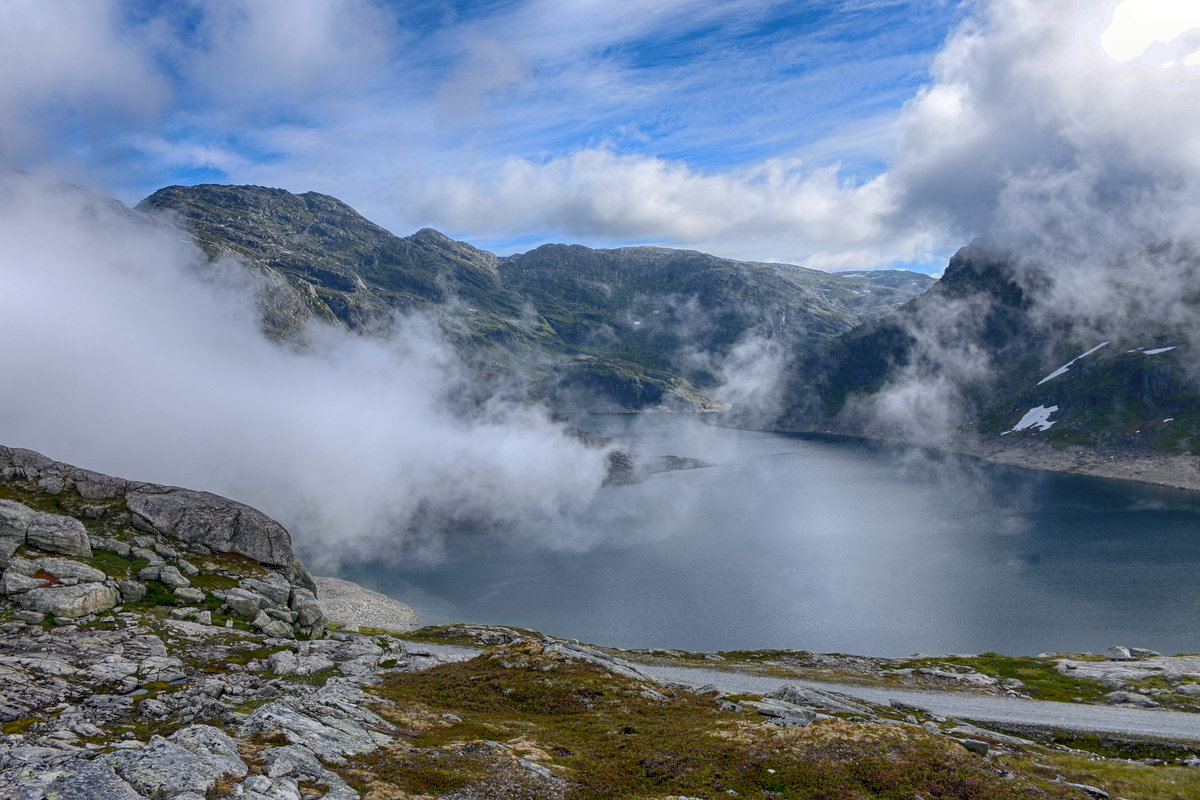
[(279, 52), (62, 62), (123, 357)]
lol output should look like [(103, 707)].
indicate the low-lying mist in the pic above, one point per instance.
[(126, 353)]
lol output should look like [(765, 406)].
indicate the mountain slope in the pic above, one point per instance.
[(984, 354), (619, 329)]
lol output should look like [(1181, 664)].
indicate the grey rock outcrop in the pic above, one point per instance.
[(54, 533), (70, 601), (223, 525), (196, 518)]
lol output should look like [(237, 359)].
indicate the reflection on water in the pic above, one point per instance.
[(794, 543)]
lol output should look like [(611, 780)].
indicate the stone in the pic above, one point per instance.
[(1129, 698), (814, 698), (243, 603), (112, 669), (1141, 652), (55, 533), (278, 629), (149, 573), (307, 607), (14, 582), (171, 577), (204, 618), (165, 669), (285, 662), (63, 568), (70, 602), (189, 594), (975, 746), (165, 768), (89, 780), (1189, 689), (223, 525), (1118, 654), (188, 568), (131, 591), (273, 586)]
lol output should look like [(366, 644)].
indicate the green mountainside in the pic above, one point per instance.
[(1125, 387), (631, 328)]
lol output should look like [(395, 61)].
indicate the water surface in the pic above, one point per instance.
[(795, 543)]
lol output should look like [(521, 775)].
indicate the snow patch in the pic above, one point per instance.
[(1158, 350), (1067, 365), (1035, 418)]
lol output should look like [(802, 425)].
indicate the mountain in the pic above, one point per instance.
[(985, 355), (631, 328)]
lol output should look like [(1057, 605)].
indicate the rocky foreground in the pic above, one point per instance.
[(165, 644)]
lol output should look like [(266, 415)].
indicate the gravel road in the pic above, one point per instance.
[(966, 705)]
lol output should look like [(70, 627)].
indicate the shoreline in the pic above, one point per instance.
[(1155, 469)]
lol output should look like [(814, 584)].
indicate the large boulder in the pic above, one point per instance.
[(54, 533), (70, 601), (222, 525)]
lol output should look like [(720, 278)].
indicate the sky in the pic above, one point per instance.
[(831, 133)]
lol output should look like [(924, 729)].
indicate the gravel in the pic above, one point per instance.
[(350, 605)]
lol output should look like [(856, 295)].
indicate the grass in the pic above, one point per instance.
[(1042, 681), (608, 741)]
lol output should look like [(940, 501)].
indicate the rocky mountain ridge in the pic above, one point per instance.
[(626, 329)]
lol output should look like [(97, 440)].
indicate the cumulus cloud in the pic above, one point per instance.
[(123, 356), (829, 222)]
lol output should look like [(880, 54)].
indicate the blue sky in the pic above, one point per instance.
[(809, 132)]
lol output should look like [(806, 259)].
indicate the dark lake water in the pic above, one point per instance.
[(794, 543)]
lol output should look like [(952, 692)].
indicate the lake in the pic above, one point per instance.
[(832, 546)]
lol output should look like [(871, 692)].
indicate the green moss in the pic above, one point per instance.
[(1042, 681)]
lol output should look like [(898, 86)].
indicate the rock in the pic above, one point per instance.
[(223, 525), (241, 602), (1141, 652), (1129, 698), (975, 746), (307, 607), (131, 591), (204, 618), (62, 568), (278, 629), (69, 601), (273, 586), (814, 698), (171, 577), (285, 662), (188, 568), (14, 582), (189, 594), (1118, 654), (333, 722), (89, 780), (165, 768), (55, 533), (1189, 689)]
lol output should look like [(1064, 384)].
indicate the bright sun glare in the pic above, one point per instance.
[(1138, 24)]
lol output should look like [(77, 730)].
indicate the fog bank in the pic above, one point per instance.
[(126, 354)]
